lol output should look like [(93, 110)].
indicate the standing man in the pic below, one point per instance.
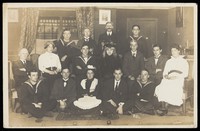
[(20, 68), (66, 48), (89, 41), (142, 44), (34, 97), (114, 95), (64, 91), (155, 65), (108, 37)]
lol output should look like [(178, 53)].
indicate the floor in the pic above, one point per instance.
[(175, 118)]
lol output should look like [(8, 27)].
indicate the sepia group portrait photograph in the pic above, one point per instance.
[(100, 65)]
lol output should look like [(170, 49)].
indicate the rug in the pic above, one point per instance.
[(66, 116)]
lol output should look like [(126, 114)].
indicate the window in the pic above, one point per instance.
[(51, 23)]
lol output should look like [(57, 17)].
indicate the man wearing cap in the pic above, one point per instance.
[(49, 64), (20, 69)]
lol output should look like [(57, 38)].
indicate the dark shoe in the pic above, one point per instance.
[(150, 112), (161, 112), (135, 110), (38, 120)]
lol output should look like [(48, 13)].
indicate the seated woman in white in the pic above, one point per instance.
[(49, 64), (170, 90), (88, 97)]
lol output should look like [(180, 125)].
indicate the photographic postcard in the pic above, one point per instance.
[(160, 23)]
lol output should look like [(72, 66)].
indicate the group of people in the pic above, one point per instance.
[(88, 78)]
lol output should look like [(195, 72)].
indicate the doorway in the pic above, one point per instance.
[(148, 29)]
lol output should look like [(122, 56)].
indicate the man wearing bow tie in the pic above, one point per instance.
[(89, 41), (64, 91), (155, 65)]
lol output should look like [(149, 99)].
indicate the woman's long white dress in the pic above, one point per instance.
[(171, 91)]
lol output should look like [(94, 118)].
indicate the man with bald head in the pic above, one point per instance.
[(20, 68)]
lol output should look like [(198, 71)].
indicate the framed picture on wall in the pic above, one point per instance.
[(104, 16), (179, 16), (13, 15)]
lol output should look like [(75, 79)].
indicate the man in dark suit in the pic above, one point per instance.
[(155, 65), (64, 91), (133, 63), (34, 97), (20, 68), (108, 37), (114, 95), (89, 41)]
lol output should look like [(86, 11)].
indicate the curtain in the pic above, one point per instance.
[(85, 19), (29, 28)]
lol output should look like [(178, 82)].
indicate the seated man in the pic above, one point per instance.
[(133, 63), (81, 62), (34, 97), (141, 95), (20, 68), (64, 91), (155, 65), (114, 95)]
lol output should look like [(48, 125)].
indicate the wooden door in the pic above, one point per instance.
[(148, 29)]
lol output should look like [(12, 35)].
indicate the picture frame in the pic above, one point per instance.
[(179, 17), (104, 16), (13, 15)]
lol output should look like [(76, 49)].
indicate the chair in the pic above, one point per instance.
[(188, 93), (34, 59), (11, 86)]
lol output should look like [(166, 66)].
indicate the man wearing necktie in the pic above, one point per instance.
[(108, 37), (114, 95), (64, 91), (133, 63), (19, 69), (155, 65)]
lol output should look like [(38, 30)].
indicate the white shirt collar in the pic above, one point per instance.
[(65, 79), (109, 33)]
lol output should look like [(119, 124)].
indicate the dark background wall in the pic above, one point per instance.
[(160, 15), (181, 35), (14, 29), (167, 32)]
